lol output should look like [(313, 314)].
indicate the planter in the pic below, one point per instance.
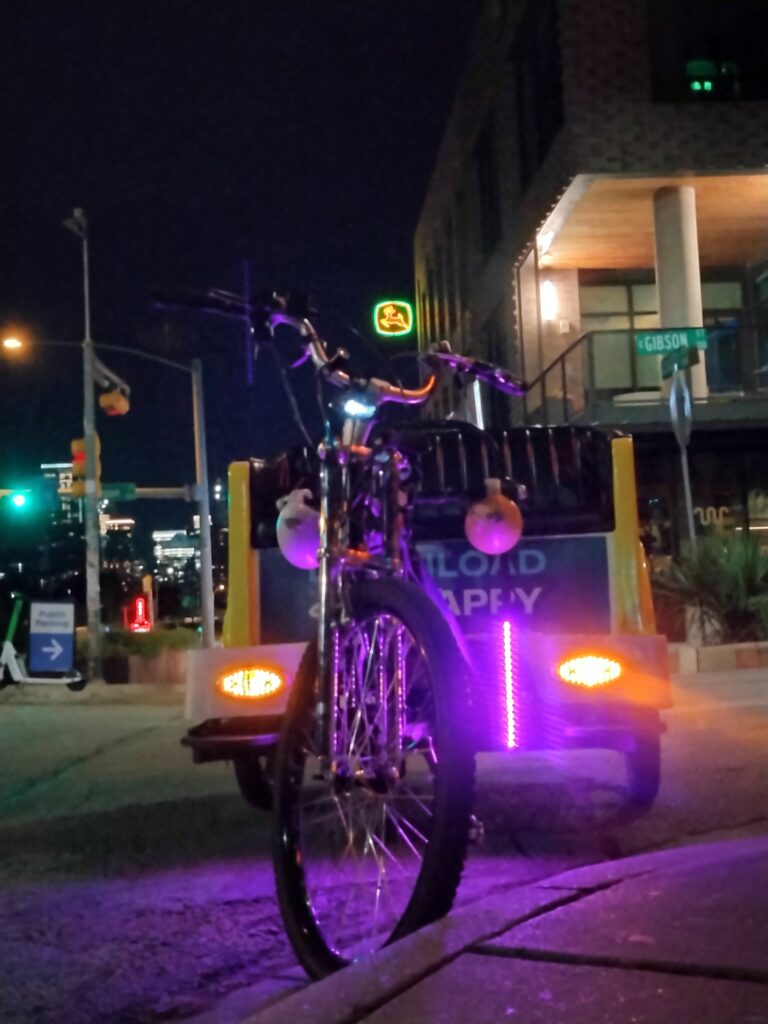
[(701, 629), (168, 668), (115, 668), (685, 659)]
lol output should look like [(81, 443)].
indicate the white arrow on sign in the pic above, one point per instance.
[(54, 649)]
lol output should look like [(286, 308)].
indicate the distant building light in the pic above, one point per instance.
[(549, 301)]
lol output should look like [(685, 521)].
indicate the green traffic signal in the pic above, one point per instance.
[(18, 499)]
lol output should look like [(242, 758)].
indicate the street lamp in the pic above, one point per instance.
[(78, 224), (195, 372)]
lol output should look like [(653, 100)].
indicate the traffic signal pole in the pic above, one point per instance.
[(79, 225), (203, 506)]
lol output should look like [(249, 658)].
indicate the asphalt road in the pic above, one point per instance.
[(136, 888)]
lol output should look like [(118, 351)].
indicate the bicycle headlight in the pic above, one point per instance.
[(358, 408)]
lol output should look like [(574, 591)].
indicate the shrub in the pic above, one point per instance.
[(724, 578), (121, 642)]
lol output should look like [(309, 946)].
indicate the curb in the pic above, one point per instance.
[(19, 694), (685, 659), (365, 986)]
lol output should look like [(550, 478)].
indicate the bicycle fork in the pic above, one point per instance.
[(335, 556)]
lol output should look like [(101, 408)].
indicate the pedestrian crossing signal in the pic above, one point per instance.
[(80, 467)]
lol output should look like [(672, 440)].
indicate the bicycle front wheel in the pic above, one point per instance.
[(370, 848)]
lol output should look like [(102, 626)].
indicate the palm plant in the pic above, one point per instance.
[(724, 579)]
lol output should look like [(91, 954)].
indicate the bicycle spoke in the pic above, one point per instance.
[(364, 832)]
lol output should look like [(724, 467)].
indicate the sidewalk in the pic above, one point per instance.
[(94, 693), (675, 937)]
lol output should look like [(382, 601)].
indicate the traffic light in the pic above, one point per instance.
[(79, 467), (18, 498), (114, 403), (139, 615)]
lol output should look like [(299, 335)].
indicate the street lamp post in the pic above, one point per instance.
[(202, 495), (78, 224)]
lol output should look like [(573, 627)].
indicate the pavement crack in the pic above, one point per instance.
[(363, 1009), (33, 785), (715, 973)]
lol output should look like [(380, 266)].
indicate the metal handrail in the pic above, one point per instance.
[(745, 372)]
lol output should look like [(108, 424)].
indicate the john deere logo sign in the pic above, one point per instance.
[(393, 317)]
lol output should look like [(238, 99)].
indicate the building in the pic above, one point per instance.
[(58, 477), (604, 173), (176, 554)]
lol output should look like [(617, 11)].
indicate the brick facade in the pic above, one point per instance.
[(611, 126)]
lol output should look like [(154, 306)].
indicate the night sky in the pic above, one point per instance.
[(295, 134)]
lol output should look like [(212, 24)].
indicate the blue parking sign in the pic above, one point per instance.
[(51, 636)]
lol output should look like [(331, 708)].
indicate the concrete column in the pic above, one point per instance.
[(678, 278)]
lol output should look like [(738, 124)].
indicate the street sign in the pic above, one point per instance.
[(119, 492), (657, 343), (51, 636), (674, 362)]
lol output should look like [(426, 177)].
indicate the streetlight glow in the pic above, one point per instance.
[(12, 343)]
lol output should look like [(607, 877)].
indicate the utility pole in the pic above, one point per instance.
[(203, 506), (78, 224)]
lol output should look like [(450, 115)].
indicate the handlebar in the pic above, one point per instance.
[(268, 311), (493, 376), (271, 311)]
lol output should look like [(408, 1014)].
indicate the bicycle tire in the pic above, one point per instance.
[(451, 773), (643, 768), (253, 772)]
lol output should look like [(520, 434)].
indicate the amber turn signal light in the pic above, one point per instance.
[(249, 683), (589, 670)]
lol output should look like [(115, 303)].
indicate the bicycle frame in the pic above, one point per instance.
[(337, 559)]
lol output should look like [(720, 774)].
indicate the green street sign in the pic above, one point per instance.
[(674, 362), (119, 492), (658, 343)]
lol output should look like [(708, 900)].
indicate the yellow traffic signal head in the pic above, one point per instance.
[(80, 466), (114, 403)]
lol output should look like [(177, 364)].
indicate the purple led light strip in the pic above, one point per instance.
[(509, 685)]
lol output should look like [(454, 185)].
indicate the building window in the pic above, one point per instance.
[(538, 78), (708, 50), (617, 311), (462, 244), (487, 171), (450, 276), (440, 290), (430, 328), (493, 347), (424, 327)]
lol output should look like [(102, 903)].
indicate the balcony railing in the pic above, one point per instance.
[(601, 366)]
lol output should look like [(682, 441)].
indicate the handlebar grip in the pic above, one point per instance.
[(493, 376), (403, 396)]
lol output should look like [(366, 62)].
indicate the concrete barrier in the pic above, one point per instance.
[(684, 658)]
